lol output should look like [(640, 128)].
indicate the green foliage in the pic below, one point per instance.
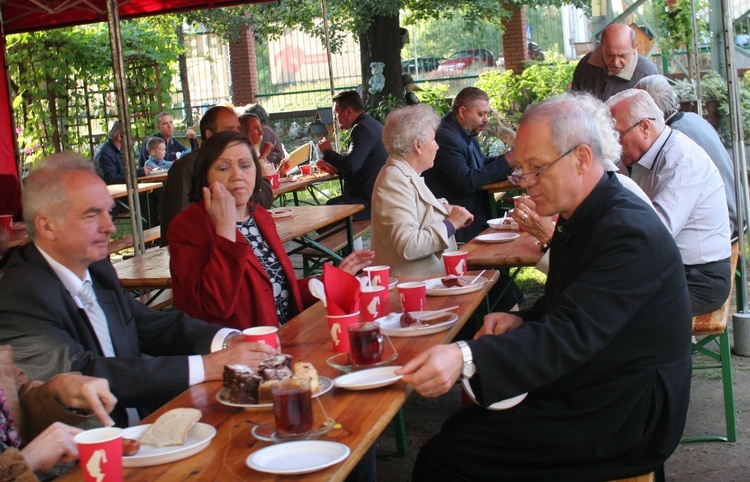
[(714, 88), (435, 94), (676, 24), (63, 77), (385, 107), (510, 94)]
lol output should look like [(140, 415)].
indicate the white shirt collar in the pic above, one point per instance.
[(69, 279), (647, 160)]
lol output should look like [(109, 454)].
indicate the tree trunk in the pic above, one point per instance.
[(382, 43), (182, 61)]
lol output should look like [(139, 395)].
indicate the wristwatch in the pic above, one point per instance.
[(469, 369)]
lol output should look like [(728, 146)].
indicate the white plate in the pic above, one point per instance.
[(391, 325), (500, 223), (325, 386), (497, 237), (198, 438), (435, 286), (501, 405), (367, 379), (280, 212), (294, 458)]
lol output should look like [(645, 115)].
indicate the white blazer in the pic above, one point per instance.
[(408, 233)]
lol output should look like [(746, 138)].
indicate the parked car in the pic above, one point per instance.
[(464, 59), (425, 64)]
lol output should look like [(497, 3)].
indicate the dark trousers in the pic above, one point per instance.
[(708, 285)]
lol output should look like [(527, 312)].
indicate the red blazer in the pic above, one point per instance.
[(222, 282)]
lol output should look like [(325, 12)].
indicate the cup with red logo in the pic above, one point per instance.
[(100, 454), (377, 275), (262, 334), (373, 302), (413, 295), (455, 263)]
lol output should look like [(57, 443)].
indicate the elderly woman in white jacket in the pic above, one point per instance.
[(411, 228)]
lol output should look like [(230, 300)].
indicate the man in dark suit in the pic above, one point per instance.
[(56, 323), (600, 366), (460, 168), (366, 155), (180, 176)]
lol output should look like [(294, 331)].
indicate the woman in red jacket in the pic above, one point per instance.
[(227, 261)]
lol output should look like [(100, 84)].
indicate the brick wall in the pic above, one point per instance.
[(243, 68), (514, 39)]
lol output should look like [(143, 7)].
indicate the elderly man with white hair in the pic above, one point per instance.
[(686, 190), (699, 130)]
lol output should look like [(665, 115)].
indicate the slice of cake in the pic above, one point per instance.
[(307, 370), (264, 391), (276, 367), (242, 383)]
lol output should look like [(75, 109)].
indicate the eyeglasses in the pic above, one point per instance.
[(532, 178), (622, 134)]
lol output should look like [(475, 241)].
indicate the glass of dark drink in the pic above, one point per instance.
[(292, 407), (365, 343)]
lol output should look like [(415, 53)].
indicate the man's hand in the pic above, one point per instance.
[(244, 353), (146, 170), (53, 445), (79, 391), (324, 145), (434, 371), (190, 134), (326, 167), (499, 323), (357, 260), (285, 166)]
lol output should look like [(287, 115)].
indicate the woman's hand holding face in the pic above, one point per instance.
[(222, 208)]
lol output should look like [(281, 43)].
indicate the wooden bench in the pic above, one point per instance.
[(157, 299), (313, 259), (149, 235), (712, 327), (650, 477)]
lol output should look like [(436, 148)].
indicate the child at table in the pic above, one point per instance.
[(157, 150)]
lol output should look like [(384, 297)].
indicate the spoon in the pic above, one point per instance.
[(477, 277), (318, 290)]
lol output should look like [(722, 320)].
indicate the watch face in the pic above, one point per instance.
[(468, 370)]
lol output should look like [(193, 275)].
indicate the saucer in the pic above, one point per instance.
[(268, 433), (340, 361)]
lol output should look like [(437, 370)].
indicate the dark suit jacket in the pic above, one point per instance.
[(174, 196), (360, 166), (604, 354), (50, 334), (460, 171), (110, 164)]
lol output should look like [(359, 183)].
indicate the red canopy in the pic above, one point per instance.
[(29, 15)]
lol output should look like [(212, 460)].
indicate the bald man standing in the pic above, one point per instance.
[(615, 65)]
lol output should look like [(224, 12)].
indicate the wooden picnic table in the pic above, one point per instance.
[(151, 269), (121, 190), (302, 183), (361, 416), (158, 176), (522, 251)]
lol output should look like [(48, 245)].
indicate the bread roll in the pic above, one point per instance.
[(171, 428)]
